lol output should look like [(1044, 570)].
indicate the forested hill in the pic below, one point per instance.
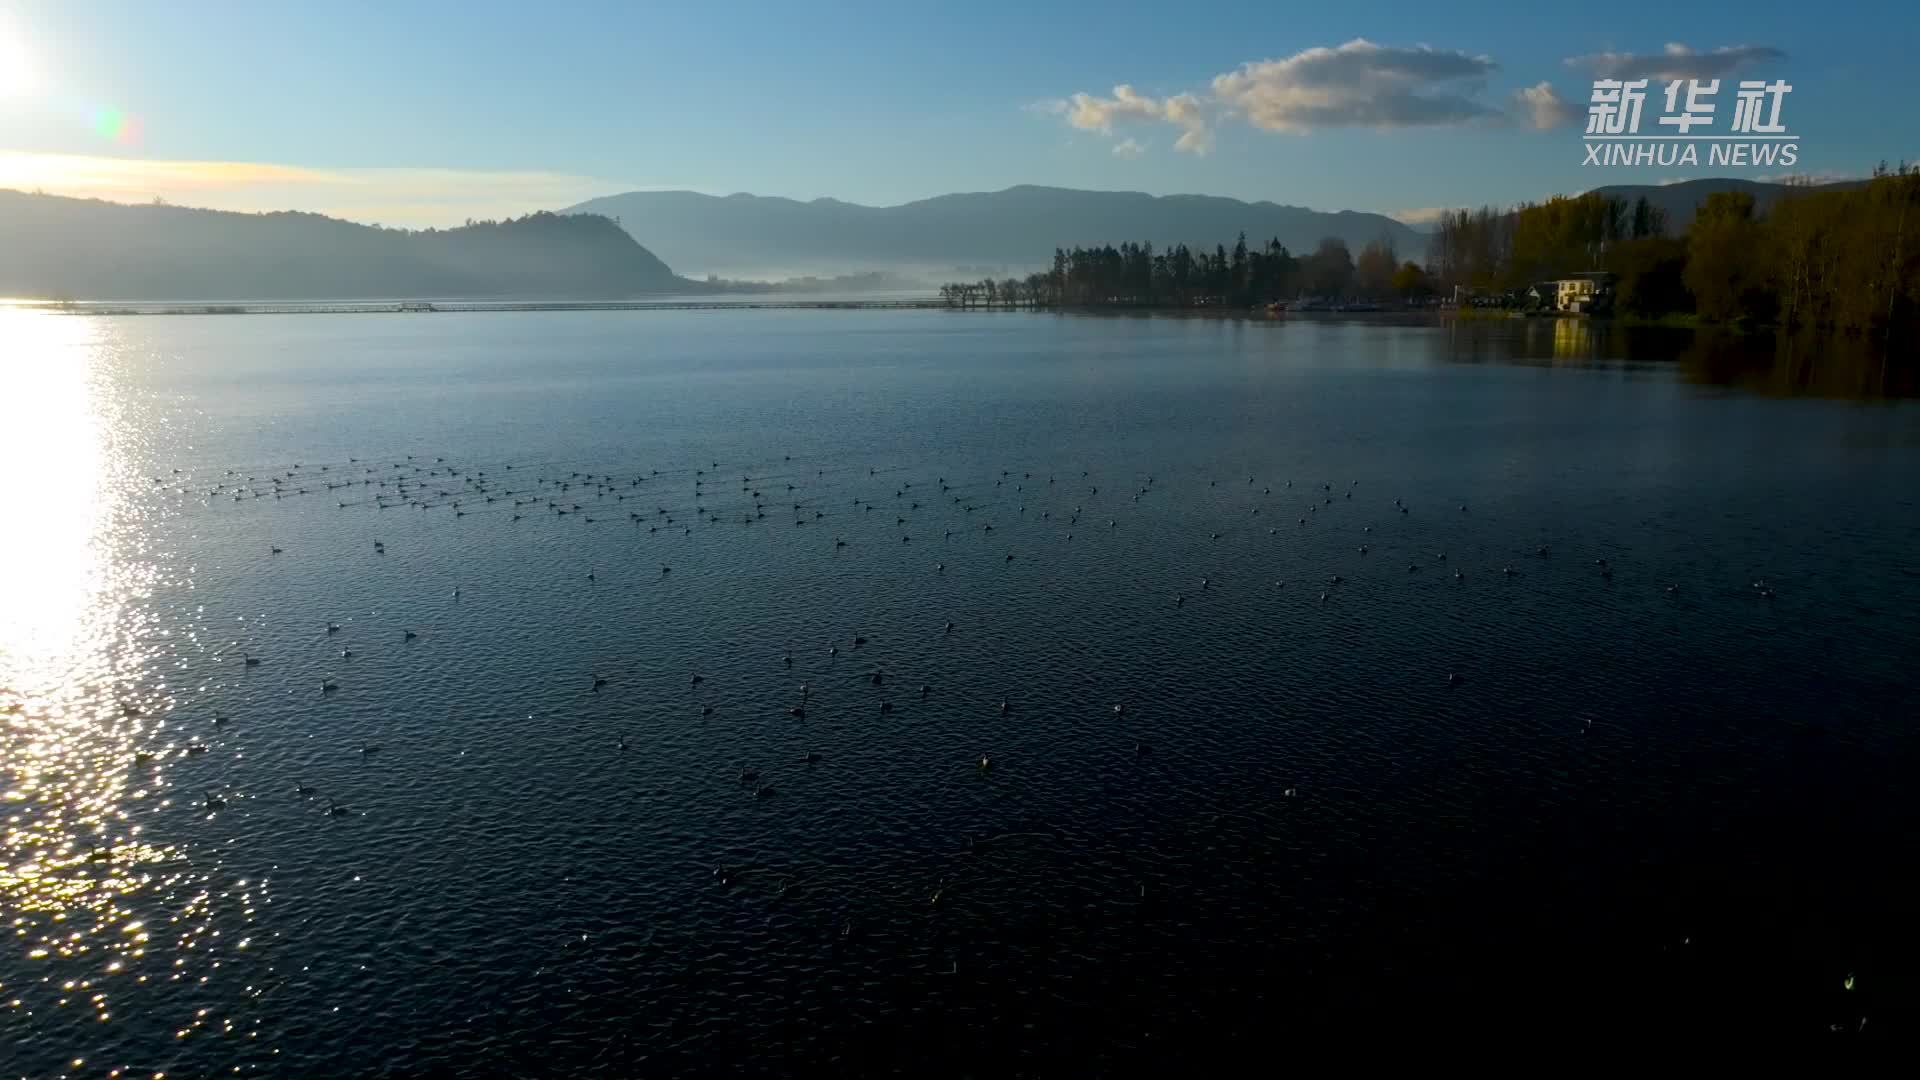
[(84, 249), (1678, 201)]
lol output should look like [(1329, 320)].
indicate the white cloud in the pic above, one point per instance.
[(1358, 84), (1127, 106), (1090, 113), (1420, 215), (1128, 148), (1185, 110), (400, 196), (1676, 61), (1542, 108)]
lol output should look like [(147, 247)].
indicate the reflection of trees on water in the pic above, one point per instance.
[(1799, 365), (1806, 364)]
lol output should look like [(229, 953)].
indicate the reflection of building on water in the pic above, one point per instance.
[(1572, 339), (1556, 340)]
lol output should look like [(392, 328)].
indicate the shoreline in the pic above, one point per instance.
[(456, 307), (1405, 316), (443, 307)]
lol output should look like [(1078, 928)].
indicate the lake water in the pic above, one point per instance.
[(1365, 781)]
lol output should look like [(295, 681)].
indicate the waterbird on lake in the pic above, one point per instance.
[(303, 789), (214, 802), (335, 809)]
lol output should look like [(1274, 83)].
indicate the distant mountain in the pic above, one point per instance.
[(1682, 199), (84, 249), (1016, 229)]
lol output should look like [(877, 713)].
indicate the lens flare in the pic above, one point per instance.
[(116, 124)]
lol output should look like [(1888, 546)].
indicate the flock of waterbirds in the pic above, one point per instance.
[(868, 502)]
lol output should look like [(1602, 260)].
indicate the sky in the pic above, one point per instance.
[(421, 113)]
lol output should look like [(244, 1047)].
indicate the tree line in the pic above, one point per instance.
[(1832, 259), (1136, 275), (1845, 259)]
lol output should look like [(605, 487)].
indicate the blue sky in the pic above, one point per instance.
[(421, 113)]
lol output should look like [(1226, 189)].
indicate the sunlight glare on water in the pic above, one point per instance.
[(84, 887)]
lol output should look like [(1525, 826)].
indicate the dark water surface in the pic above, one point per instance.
[(1670, 795)]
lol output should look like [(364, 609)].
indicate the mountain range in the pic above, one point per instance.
[(53, 247), (1015, 230), (56, 247)]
